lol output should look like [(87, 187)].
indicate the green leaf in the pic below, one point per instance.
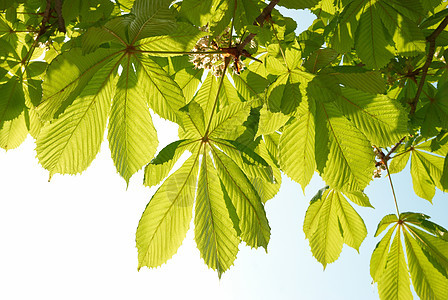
[(227, 124), (12, 100), (151, 18), (181, 40), (255, 230), (67, 77), (270, 122), (166, 219), (321, 226), (434, 247), (329, 222), (371, 42), (385, 222), (70, 143), (399, 162), (394, 282), (427, 281), (215, 236), (297, 148), (162, 164), (319, 59), (13, 132), (344, 156), (358, 78), (163, 94), (132, 136), (426, 171), (378, 117), (284, 94), (299, 4), (196, 115), (359, 198), (379, 256)]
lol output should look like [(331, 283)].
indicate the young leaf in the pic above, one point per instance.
[(166, 219)]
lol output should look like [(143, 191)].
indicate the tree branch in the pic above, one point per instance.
[(259, 21), (432, 49)]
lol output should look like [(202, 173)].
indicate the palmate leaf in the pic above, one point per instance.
[(394, 281), (429, 283), (331, 221), (166, 219), (270, 122), (132, 136), (426, 168), (255, 230), (215, 236), (427, 257), (70, 143), (227, 124)]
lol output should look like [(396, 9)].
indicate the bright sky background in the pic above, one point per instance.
[(73, 238)]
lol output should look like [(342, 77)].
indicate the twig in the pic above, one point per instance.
[(384, 158), (431, 50), (259, 21), (61, 22)]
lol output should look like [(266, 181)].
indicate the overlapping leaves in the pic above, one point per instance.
[(228, 208), (424, 255)]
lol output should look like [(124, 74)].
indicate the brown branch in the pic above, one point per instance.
[(61, 22), (431, 50), (384, 158), (259, 21)]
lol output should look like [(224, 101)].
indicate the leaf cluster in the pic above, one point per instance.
[(367, 77)]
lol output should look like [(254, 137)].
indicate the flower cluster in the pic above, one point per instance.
[(379, 165), (214, 61)]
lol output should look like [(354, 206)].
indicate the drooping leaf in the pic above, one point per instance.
[(255, 230), (428, 282), (132, 136), (330, 222), (13, 132), (166, 219), (70, 143), (297, 147), (215, 236), (162, 93), (394, 282)]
